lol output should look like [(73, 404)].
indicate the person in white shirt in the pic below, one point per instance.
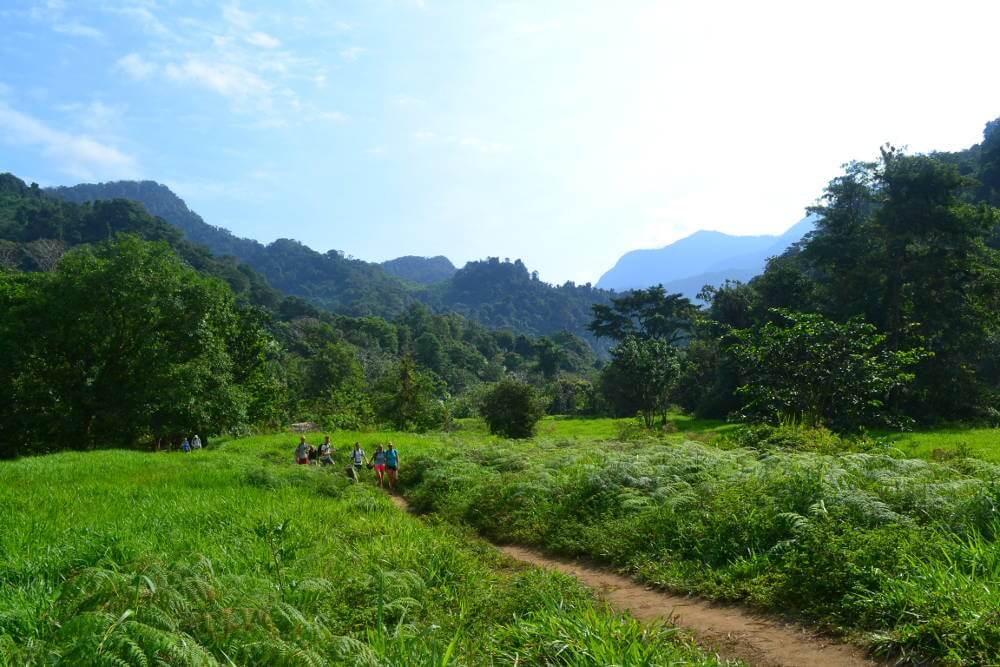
[(358, 458), (195, 442), (326, 452)]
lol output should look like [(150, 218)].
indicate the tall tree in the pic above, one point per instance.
[(646, 314), (809, 368), (121, 343), (407, 398), (896, 245), (640, 377)]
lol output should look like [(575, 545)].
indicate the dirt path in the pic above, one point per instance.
[(732, 631)]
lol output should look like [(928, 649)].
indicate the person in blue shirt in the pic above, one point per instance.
[(392, 465), (185, 445)]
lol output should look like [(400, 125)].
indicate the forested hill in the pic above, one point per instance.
[(423, 270), (329, 280), (505, 294), (498, 294), (115, 329)]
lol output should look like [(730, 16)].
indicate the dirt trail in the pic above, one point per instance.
[(732, 631)]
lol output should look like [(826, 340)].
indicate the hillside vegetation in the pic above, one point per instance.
[(498, 294), (117, 331), (424, 270)]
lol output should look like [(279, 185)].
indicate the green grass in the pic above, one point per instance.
[(903, 553), (235, 556), (606, 428), (946, 443)]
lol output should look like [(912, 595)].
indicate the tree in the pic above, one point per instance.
[(123, 342), (511, 409), (812, 369), (407, 398), (550, 357), (644, 314), (640, 377), (570, 396), (898, 244)]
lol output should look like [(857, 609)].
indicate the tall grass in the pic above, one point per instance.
[(235, 556), (903, 551)]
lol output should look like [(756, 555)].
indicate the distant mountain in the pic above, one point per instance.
[(499, 294), (703, 258), (423, 270), (330, 280)]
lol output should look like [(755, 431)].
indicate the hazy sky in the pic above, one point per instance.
[(561, 132)]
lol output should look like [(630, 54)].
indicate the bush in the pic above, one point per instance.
[(820, 372), (511, 409), (788, 436)]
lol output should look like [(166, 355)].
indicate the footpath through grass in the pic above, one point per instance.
[(901, 552), (235, 556)]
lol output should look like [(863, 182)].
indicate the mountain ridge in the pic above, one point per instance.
[(507, 296), (706, 255)]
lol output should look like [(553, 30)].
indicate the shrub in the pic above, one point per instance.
[(819, 371), (787, 436), (511, 409)]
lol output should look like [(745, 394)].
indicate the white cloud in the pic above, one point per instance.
[(263, 40), (79, 155), (333, 116), (79, 30), (96, 116), (424, 135), (237, 17), (223, 78), (351, 53), (144, 17), (375, 151), (136, 66)]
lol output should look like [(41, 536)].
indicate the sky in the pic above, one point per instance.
[(561, 132)]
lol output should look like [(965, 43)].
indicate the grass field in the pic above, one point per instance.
[(948, 443), (901, 552), (234, 556)]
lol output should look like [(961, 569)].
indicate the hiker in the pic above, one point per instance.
[(313, 455), (378, 464), (185, 445), (302, 452), (357, 459), (326, 452), (195, 442), (392, 465)]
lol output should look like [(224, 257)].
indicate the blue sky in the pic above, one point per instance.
[(563, 132)]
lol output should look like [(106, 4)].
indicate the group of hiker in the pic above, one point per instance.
[(194, 444), (384, 461)]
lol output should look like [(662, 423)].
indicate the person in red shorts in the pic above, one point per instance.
[(378, 464), (302, 452)]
